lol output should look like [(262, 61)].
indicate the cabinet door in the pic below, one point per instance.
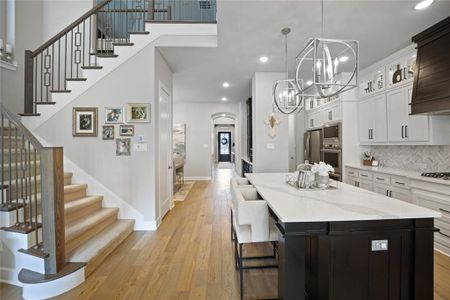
[(381, 189), (352, 181), (397, 109), (417, 129), (365, 121), (332, 114), (311, 120), (366, 185), (379, 119), (401, 194)]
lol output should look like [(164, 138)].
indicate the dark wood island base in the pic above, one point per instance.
[(350, 260)]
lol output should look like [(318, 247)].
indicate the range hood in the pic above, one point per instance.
[(431, 90)]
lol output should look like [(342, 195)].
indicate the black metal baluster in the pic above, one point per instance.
[(65, 62), (83, 51), (30, 189), (2, 159), (17, 174), (59, 64), (47, 75), (53, 66), (35, 200), (71, 54), (9, 164), (90, 39), (22, 169)]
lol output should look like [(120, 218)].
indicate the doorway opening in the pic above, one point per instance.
[(224, 146)]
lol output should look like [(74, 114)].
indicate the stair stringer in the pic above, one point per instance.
[(174, 34)]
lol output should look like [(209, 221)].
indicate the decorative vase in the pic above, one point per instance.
[(322, 181)]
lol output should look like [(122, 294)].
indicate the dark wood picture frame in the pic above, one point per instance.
[(79, 132)]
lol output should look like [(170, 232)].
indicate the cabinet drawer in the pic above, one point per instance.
[(382, 178), (381, 189), (366, 175), (352, 172), (398, 181), (436, 203), (365, 184)]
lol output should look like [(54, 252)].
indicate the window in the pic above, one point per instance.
[(7, 31)]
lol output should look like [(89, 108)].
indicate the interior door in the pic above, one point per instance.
[(165, 151), (224, 145)]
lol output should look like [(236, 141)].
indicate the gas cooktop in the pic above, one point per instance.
[(443, 175)]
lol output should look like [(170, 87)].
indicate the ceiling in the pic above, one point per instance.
[(249, 29)]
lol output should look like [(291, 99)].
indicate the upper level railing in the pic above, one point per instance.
[(109, 23), (32, 187)]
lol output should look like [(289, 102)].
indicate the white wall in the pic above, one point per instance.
[(28, 36), (132, 178), (199, 132), (36, 22), (264, 159)]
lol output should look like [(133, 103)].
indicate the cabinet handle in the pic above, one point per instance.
[(378, 178), (446, 235), (401, 183), (406, 131), (368, 132), (362, 175), (444, 210), (390, 194), (387, 193), (403, 136), (330, 115)]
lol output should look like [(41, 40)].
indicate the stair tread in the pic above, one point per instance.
[(79, 226), (71, 188), (100, 241), (75, 205)]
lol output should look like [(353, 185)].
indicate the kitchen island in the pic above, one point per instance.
[(348, 243)]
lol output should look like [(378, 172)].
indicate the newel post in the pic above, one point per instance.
[(52, 190), (28, 82)]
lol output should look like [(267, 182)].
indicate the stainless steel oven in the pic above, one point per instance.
[(333, 157)]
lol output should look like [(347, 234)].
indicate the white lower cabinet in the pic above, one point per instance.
[(361, 183), (440, 203)]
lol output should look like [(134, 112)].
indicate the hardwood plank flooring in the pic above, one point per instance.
[(190, 256)]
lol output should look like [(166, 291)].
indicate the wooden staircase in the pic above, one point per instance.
[(92, 231)]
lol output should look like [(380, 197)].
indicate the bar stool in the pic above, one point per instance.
[(237, 183), (251, 224)]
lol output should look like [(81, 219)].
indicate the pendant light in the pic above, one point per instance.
[(286, 96), (332, 65)]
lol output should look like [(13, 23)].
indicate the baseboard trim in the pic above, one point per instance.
[(197, 178)]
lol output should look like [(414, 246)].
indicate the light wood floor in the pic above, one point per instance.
[(190, 257)]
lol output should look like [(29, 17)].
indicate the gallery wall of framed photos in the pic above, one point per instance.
[(85, 123)]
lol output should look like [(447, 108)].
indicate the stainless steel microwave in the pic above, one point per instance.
[(332, 134)]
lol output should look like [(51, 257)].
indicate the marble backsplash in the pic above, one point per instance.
[(414, 158)]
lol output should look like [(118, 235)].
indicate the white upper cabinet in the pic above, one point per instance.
[(372, 119), (384, 107), (401, 126)]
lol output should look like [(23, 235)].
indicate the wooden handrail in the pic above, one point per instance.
[(78, 21)]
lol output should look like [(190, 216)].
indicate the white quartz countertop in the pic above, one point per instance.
[(399, 172), (346, 203)]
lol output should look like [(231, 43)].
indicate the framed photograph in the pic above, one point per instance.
[(138, 112), (123, 147), (84, 121), (126, 130), (108, 132), (114, 115)]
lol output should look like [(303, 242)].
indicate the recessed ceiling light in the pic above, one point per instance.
[(343, 58), (225, 84), (223, 98), (423, 4), (309, 82), (223, 115), (263, 59)]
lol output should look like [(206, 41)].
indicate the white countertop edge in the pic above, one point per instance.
[(398, 172)]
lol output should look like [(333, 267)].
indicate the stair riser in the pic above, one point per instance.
[(19, 171), (90, 232), (75, 195), (96, 262), (76, 215), (34, 187)]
